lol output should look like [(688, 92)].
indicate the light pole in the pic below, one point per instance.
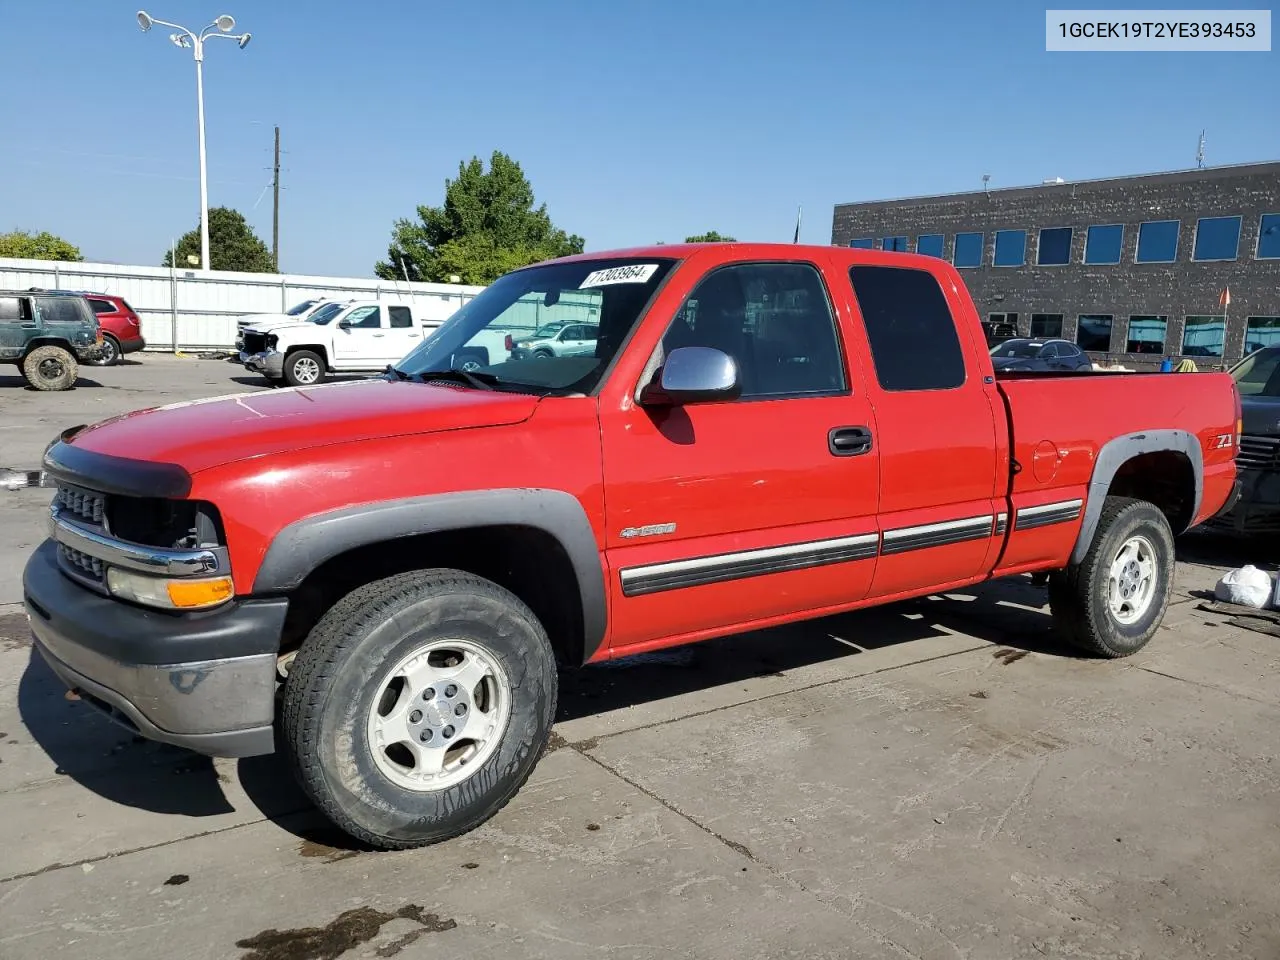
[(185, 38)]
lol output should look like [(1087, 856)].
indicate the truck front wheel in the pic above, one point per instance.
[(304, 368), (418, 706), (1112, 603)]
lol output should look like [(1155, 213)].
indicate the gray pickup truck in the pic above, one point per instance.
[(47, 337), (1257, 513)]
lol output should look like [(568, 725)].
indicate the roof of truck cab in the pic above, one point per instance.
[(756, 251)]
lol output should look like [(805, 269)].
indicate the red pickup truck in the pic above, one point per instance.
[(759, 434)]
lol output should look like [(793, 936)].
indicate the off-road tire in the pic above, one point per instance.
[(111, 352), (337, 673), (64, 379), (1078, 595), (291, 363)]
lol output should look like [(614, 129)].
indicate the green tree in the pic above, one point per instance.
[(709, 237), (232, 245), (487, 226), (37, 246)]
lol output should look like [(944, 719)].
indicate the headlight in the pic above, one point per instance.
[(169, 593), (272, 340)]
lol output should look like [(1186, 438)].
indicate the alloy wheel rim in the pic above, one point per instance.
[(1131, 580), (438, 715)]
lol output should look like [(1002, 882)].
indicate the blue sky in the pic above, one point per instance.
[(634, 121)]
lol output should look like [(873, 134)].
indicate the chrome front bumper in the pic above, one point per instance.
[(270, 363)]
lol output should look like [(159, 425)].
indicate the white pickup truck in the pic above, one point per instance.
[(363, 337)]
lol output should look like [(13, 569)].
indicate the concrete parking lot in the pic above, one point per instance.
[(934, 780)]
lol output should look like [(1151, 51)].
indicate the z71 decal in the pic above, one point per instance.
[(1222, 441)]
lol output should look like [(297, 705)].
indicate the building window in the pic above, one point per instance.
[(1158, 241), (1269, 237), (1093, 332), (930, 244), (1046, 326), (1102, 243), (1146, 334), (1011, 248), (1055, 247), (1000, 327), (914, 344), (968, 252), (863, 243), (1261, 332), (1203, 336), (1217, 238), (897, 244)]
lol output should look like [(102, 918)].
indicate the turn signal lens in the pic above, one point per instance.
[(169, 594), (190, 594)]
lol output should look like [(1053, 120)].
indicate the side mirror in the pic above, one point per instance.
[(693, 375), (344, 324)]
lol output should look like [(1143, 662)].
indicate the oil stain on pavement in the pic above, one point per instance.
[(345, 932)]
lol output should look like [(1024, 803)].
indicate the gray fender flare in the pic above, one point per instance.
[(302, 546), (1118, 451)]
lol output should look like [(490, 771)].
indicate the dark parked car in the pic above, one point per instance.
[(121, 326), (1257, 512), (1030, 354), (47, 336)]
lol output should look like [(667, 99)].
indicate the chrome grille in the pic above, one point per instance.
[(1258, 452), (81, 564), (83, 504)]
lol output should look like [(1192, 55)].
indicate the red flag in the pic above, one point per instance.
[(1224, 301)]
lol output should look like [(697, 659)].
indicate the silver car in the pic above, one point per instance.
[(560, 339)]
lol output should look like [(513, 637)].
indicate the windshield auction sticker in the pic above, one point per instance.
[(631, 273)]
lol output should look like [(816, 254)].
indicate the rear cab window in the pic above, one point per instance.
[(401, 317), (912, 333)]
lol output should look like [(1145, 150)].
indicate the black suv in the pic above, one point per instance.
[(46, 336)]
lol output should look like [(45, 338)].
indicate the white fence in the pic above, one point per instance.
[(196, 310)]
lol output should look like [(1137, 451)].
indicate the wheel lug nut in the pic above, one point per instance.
[(451, 691), (425, 736), (460, 710), (429, 693), (415, 716), (448, 732)]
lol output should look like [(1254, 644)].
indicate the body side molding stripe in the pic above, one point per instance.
[(1046, 514), (659, 577)]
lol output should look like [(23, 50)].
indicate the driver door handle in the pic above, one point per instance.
[(849, 441)]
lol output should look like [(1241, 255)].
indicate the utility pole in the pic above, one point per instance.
[(275, 208)]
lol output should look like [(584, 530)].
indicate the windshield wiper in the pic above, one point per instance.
[(480, 381), (397, 372)]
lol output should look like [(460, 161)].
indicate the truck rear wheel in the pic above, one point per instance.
[(418, 706), (50, 368), (1112, 603), (304, 368)]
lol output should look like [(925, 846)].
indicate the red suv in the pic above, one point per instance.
[(121, 327)]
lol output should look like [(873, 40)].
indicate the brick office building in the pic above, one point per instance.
[(1134, 267)]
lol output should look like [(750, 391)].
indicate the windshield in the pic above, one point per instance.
[(325, 313), (302, 307), (548, 330), (486, 336), (1256, 374), (1017, 348)]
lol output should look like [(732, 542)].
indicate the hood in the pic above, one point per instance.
[(267, 322), (275, 326), (199, 434), (1261, 416)]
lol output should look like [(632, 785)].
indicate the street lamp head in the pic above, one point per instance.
[(244, 40), (226, 23), (144, 20)]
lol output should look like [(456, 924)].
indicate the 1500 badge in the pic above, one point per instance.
[(652, 530)]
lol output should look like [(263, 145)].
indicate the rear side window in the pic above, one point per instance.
[(400, 317), (10, 309), (913, 337), (102, 306), (60, 309)]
